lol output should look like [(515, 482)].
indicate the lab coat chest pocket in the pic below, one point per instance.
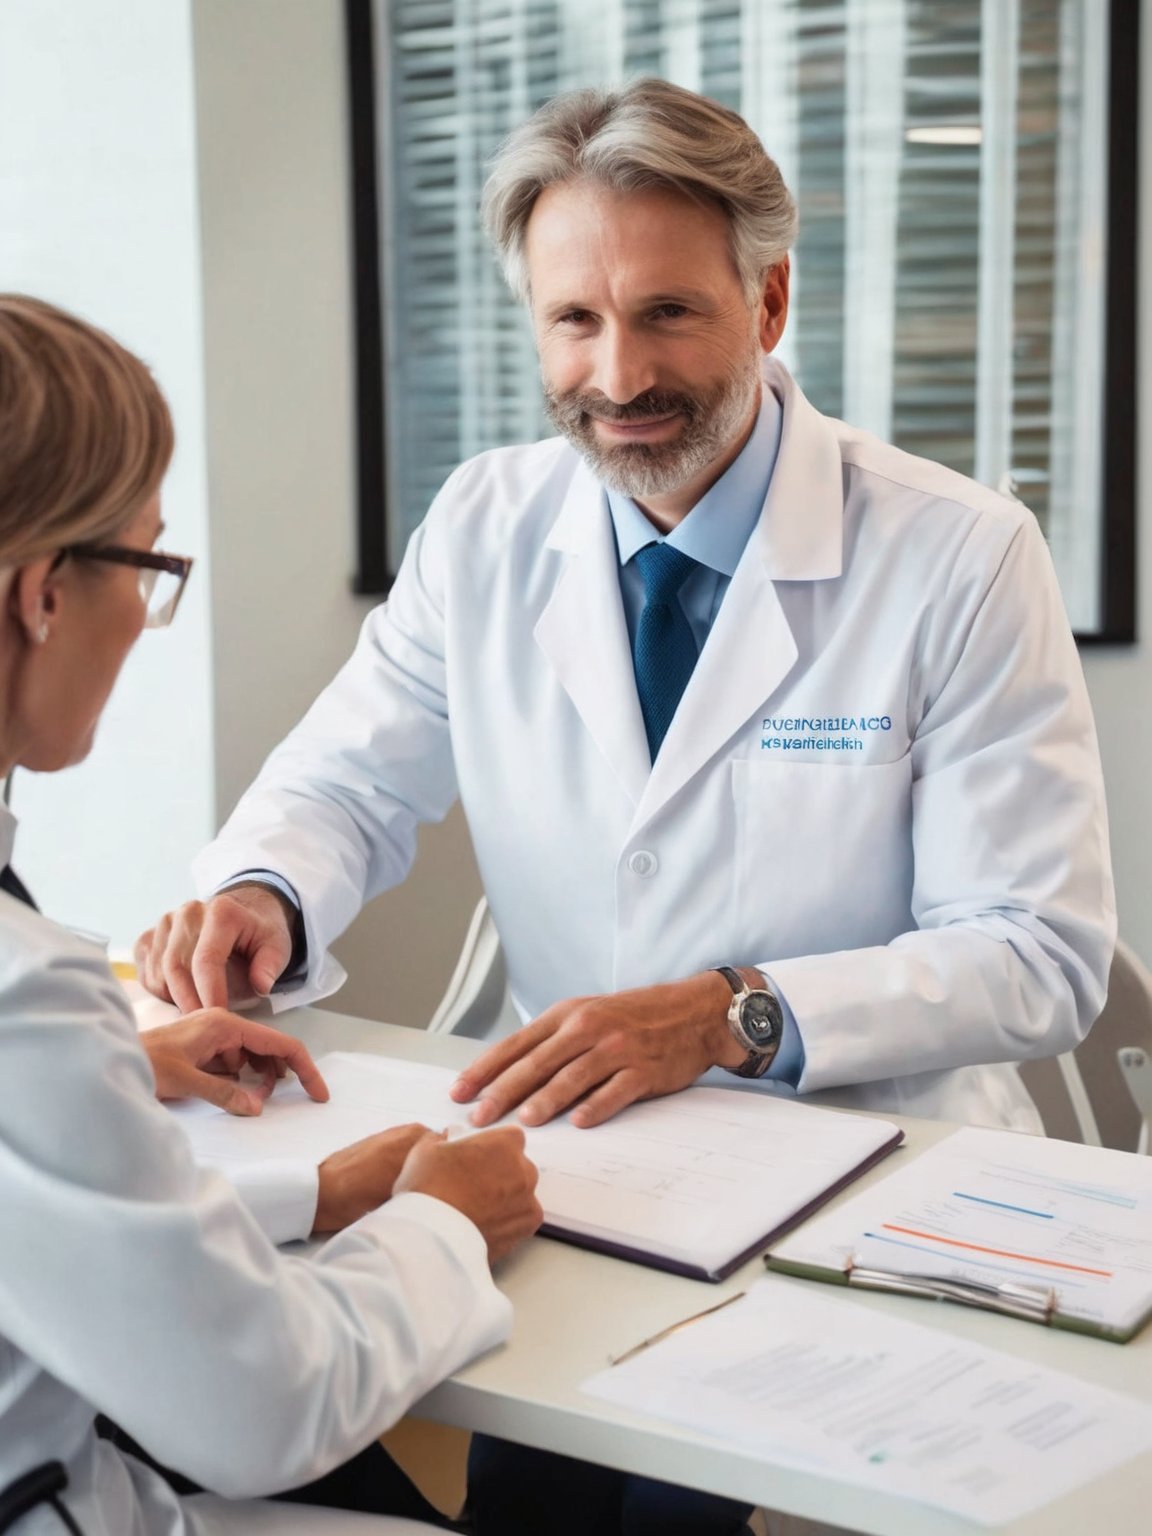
[(824, 854)]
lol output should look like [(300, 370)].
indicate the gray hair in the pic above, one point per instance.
[(647, 134)]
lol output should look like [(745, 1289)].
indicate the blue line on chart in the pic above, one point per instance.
[(1065, 1186), (1096, 1192), (1001, 1205)]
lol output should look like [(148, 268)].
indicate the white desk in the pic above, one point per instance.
[(575, 1309)]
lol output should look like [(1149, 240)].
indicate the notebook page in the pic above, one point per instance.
[(700, 1176), (696, 1177)]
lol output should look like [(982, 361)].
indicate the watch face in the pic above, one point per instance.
[(761, 1019)]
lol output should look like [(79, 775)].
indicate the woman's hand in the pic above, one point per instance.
[(358, 1178), (486, 1177), (201, 1056)]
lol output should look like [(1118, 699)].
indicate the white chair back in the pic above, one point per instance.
[(1101, 1093), (476, 1002)]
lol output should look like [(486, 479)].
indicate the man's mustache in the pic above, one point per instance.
[(652, 403)]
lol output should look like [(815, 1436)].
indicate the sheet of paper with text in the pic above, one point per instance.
[(805, 1379)]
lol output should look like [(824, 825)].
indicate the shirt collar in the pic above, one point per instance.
[(718, 527)]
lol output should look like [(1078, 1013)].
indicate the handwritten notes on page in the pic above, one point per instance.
[(805, 1379), (701, 1179), (693, 1182)]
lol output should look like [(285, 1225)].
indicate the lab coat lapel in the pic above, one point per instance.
[(750, 649), (583, 634)]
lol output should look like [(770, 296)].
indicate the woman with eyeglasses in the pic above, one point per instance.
[(133, 1284)]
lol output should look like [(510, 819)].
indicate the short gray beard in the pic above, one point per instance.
[(712, 422)]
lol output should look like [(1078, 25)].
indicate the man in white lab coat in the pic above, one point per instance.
[(720, 682)]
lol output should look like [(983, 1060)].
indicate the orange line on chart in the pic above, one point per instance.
[(1000, 1253)]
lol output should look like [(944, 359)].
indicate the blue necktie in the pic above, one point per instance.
[(664, 650)]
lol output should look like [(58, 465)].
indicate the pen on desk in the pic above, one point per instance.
[(672, 1328), (1012, 1297)]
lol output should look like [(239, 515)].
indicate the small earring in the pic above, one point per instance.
[(42, 633)]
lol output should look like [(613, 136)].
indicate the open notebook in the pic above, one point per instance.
[(695, 1183)]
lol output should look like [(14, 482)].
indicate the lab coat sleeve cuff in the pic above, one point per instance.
[(441, 1235), (318, 982), (788, 1065), (445, 1220), (281, 1197)]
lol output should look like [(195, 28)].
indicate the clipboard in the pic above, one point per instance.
[(1012, 1300), (1032, 1304), (1042, 1231)]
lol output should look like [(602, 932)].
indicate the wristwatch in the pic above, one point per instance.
[(756, 1021)]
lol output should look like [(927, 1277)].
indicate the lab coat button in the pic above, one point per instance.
[(643, 863)]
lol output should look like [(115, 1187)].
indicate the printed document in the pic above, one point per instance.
[(805, 1379)]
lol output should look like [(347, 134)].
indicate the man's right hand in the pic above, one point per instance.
[(486, 1177), (220, 952)]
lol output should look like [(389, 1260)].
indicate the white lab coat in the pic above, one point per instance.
[(134, 1283), (932, 896)]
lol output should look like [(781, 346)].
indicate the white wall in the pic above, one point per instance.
[(98, 213)]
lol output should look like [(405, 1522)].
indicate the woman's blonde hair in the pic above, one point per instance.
[(648, 134), (85, 434)]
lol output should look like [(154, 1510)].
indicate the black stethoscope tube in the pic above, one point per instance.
[(43, 1485)]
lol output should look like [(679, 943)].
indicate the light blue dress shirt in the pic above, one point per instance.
[(714, 534)]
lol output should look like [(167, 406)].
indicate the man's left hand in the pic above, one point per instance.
[(604, 1053), (201, 1056)]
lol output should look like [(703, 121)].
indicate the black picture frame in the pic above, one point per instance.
[(1118, 574), (1118, 613), (372, 577)]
